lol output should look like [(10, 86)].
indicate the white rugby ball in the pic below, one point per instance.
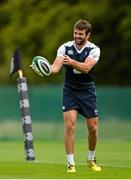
[(41, 66)]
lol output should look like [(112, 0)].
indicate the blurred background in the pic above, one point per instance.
[(39, 27)]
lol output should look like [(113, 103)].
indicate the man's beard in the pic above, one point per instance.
[(79, 41)]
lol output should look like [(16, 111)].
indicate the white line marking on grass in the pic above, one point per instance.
[(120, 166), (59, 163)]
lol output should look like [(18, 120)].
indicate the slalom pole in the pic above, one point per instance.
[(24, 106)]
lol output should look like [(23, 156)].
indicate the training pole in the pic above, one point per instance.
[(24, 107), (25, 116)]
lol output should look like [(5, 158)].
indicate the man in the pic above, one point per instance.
[(79, 94)]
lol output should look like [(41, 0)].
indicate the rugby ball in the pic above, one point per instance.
[(41, 66)]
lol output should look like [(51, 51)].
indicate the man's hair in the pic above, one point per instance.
[(83, 25)]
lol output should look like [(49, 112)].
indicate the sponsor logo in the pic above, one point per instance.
[(96, 112), (63, 107), (70, 52), (76, 71), (86, 53)]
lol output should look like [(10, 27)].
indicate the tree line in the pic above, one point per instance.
[(39, 27)]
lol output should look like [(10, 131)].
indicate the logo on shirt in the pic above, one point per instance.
[(95, 56), (63, 107), (70, 52), (76, 71), (96, 112), (86, 53)]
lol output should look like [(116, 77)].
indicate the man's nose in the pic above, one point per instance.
[(77, 36)]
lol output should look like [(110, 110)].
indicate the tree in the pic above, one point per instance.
[(40, 27)]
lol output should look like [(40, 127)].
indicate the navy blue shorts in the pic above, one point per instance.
[(84, 101)]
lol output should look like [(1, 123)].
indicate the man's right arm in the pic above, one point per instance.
[(57, 65)]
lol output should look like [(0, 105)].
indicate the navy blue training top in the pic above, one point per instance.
[(74, 78)]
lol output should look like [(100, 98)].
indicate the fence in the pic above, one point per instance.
[(45, 101)]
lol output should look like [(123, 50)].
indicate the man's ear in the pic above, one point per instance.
[(88, 35)]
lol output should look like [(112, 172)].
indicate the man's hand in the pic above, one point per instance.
[(67, 60), (31, 66)]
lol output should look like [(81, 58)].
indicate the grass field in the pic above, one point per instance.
[(113, 156)]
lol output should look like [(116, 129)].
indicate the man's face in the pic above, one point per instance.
[(80, 36)]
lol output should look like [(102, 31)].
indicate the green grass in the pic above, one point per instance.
[(114, 157)]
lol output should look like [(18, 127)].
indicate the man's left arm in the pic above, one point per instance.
[(87, 65), (83, 67)]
